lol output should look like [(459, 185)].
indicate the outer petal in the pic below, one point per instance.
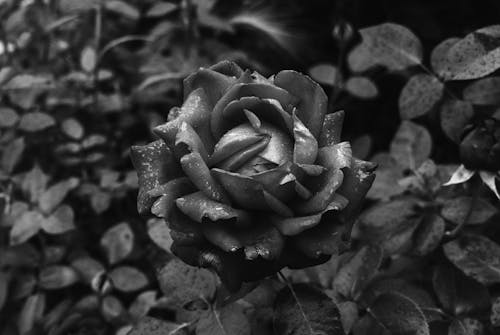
[(306, 146), (337, 156), (196, 112), (238, 91), (269, 110), (357, 181), (228, 68), (313, 100), (168, 192), (332, 129), (155, 165), (214, 83), (199, 207), (325, 195), (248, 193), (187, 141), (199, 174)]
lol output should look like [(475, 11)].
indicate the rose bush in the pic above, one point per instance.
[(250, 174)]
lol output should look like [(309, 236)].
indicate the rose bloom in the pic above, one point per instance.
[(250, 174)]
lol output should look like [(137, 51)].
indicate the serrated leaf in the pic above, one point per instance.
[(8, 117), (55, 194), (357, 272), (477, 256), (484, 91), (12, 153), (457, 210), (88, 59), (325, 74), (361, 87), (388, 171), (466, 326), (388, 44), (25, 227), (60, 222), (57, 276), (36, 121), (183, 283), (308, 311), (474, 56), (140, 307), (495, 312), (128, 279), (428, 235), (228, 320), (455, 115), (118, 242), (419, 96), (161, 9), (152, 326), (349, 314), (459, 294), (439, 54), (399, 314), (123, 8), (411, 145)]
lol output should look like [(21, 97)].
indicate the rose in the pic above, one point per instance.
[(480, 146), (250, 174)]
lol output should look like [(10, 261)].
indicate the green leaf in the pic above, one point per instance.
[(477, 256), (228, 320), (8, 117), (55, 277), (123, 8), (152, 326), (428, 235), (388, 44), (389, 172), (4, 285), (308, 311), (55, 194), (31, 312), (159, 233), (34, 183), (474, 56), (128, 279), (36, 121), (495, 312), (72, 128), (484, 91), (118, 242), (411, 145), (161, 9), (325, 74), (419, 96), (25, 227), (466, 326), (455, 115), (61, 221), (76, 6), (399, 314), (88, 268), (361, 87), (183, 283), (28, 81), (141, 306), (12, 153), (88, 59), (112, 308), (439, 54), (457, 210), (459, 294), (358, 271)]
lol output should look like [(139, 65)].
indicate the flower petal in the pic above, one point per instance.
[(199, 174), (279, 182), (332, 129), (357, 181), (306, 146), (461, 175), (240, 158), (233, 141), (489, 179), (199, 207), (214, 83), (155, 164), (296, 225), (337, 156), (228, 68), (265, 109), (248, 193), (168, 192), (195, 111), (331, 181), (313, 100), (187, 141), (238, 91)]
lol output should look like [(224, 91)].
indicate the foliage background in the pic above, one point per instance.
[(83, 80)]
